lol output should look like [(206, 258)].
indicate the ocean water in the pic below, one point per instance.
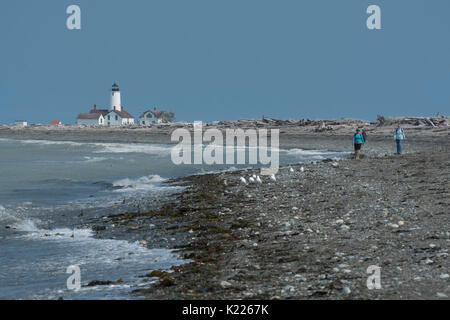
[(42, 185)]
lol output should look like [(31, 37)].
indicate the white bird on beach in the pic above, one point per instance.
[(258, 179), (291, 170), (272, 177), (251, 179), (302, 169), (243, 180)]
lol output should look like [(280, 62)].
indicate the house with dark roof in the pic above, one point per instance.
[(118, 117), (95, 117), (151, 116)]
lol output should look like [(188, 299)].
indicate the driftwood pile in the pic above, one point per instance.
[(320, 125), (438, 121)]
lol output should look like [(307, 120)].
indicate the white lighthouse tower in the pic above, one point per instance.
[(115, 99)]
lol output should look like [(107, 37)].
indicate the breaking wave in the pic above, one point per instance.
[(153, 149), (98, 259), (49, 142), (145, 148), (146, 183)]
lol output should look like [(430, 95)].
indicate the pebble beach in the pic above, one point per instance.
[(311, 234)]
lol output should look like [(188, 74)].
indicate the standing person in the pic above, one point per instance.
[(399, 136), (358, 141)]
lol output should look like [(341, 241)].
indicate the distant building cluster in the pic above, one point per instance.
[(117, 116), (21, 123)]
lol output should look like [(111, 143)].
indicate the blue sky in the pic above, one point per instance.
[(224, 60)]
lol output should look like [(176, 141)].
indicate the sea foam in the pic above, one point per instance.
[(145, 183)]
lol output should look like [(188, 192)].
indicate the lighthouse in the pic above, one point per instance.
[(114, 116), (115, 99)]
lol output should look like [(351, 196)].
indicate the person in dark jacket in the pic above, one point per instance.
[(364, 134), (358, 142)]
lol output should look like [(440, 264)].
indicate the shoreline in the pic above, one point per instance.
[(290, 130), (309, 235), (307, 137)]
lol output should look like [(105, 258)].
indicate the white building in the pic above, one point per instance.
[(91, 119), (118, 118), (114, 116), (151, 116), (21, 123)]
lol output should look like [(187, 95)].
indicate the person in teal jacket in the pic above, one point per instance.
[(399, 136), (358, 141)]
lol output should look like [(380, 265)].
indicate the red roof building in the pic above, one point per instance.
[(114, 116), (103, 112)]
